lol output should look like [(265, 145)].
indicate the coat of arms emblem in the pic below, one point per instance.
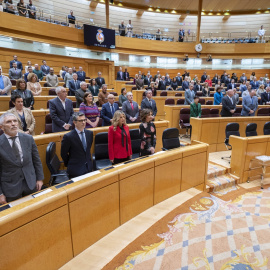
[(100, 36)]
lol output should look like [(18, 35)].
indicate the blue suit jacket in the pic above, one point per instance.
[(72, 87), (185, 85), (19, 64), (230, 86), (81, 76), (254, 85), (146, 105), (106, 113), (45, 70), (59, 115), (77, 160), (248, 105)]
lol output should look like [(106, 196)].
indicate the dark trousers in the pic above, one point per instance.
[(120, 160), (24, 192)]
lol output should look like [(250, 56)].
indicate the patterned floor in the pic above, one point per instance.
[(215, 234)]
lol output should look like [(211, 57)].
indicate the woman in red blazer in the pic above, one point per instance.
[(119, 142)]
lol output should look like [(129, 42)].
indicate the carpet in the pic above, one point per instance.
[(206, 232)]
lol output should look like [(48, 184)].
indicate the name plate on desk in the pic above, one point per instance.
[(42, 192), (64, 184), (2, 208), (79, 178)]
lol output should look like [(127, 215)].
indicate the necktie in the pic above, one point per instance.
[(15, 149), (150, 101), (121, 74), (112, 109), (268, 96), (83, 141), (251, 100), (131, 104)]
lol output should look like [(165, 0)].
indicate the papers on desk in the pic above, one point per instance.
[(79, 178), (118, 165), (42, 192), (157, 153)]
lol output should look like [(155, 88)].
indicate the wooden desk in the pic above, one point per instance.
[(244, 150), (212, 130)]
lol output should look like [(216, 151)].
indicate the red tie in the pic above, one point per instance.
[(131, 104)]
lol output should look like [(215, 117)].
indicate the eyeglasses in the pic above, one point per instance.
[(81, 121)]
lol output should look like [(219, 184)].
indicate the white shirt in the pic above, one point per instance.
[(80, 134), (261, 32), (63, 103), (17, 141)]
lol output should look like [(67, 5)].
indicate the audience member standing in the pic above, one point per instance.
[(189, 95), (129, 29), (33, 85), (254, 83), (38, 72), (204, 77), (91, 111), (21, 8), (26, 120), (250, 104), (108, 110), (31, 10), (119, 142), (126, 75), (131, 109), (261, 34), (10, 7), (21, 168), (122, 29), (103, 95), (181, 35), (61, 110), (5, 84), (79, 93), (147, 133), (27, 96), (93, 87), (71, 19), (185, 84), (44, 68), (149, 103), (81, 74), (158, 34), (68, 77), (52, 79), (14, 72), (74, 84), (243, 78), (162, 84), (75, 147), (243, 87), (30, 70), (123, 96), (153, 89), (236, 96), (265, 97), (195, 108), (218, 97), (208, 80), (120, 75), (99, 80), (228, 104), (29, 64)]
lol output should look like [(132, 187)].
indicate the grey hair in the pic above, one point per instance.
[(129, 93), (76, 115), (81, 83), (58, 89), (148, 91), (3, 116), (103, 85)]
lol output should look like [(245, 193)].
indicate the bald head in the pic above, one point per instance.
[(111, 98), (230, 93)]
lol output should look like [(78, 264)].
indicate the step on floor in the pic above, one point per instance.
[(222, 184), (215, 170)]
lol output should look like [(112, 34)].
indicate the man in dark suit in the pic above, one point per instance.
[(80, 93), (231, 85), (108, 110), (147, 80), (149, 103), (130, 108), (162, 84), (99, 80), (30, 70), (120, 75), (254, 84), (265, 96), (61, 110), (267, 83), (204, 77), (74, 84), (197, 87), (75, 148), (179, 79), (185, 84), (228, 104), (168, 80), (15, 60), (21, 168), (224, 78), (44, 68), (81, 74), (126, 75), (15, 73)]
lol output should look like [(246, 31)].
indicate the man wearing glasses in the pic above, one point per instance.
[(108, 110), (75, 147), (61, 110)]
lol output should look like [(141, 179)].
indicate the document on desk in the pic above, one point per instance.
[(158, 153), (118, 165), (42, 192), (79, 178)]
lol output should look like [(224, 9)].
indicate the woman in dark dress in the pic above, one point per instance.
[(93, 88), (174, 84), (27, 96), (147, 133)]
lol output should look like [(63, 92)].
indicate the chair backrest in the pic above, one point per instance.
[(209, 102), (48, 124), (199, 93), (52, 161), (205, 113), (169, 101), (231, 129), (237, 112), (214, 113), (52, 92), (178, 95), (170, 138), (135, 140), (251, 129), (101, 146), (202, 101), (263, 112), (266, 128), (13, 82), (240, 102), (74, 103), (185, 115), (163, 94), (114, 93), (180, 101), (211, 95), (134, 88)]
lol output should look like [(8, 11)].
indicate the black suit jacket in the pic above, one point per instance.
[(147, 81), (227, 105), (126, 76), (19, 64), (100, 81), (265, 98), (146, 105), (119, 76), (77, 160), (81, 76), (197, 88), (106, 113), (179, 80), (203, 78), (73, 87), (162, 85)]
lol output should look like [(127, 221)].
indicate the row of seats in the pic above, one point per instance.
[(170, 140)]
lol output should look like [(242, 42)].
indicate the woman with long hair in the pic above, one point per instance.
[(27, 96), (119, 142), (33, 85)]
